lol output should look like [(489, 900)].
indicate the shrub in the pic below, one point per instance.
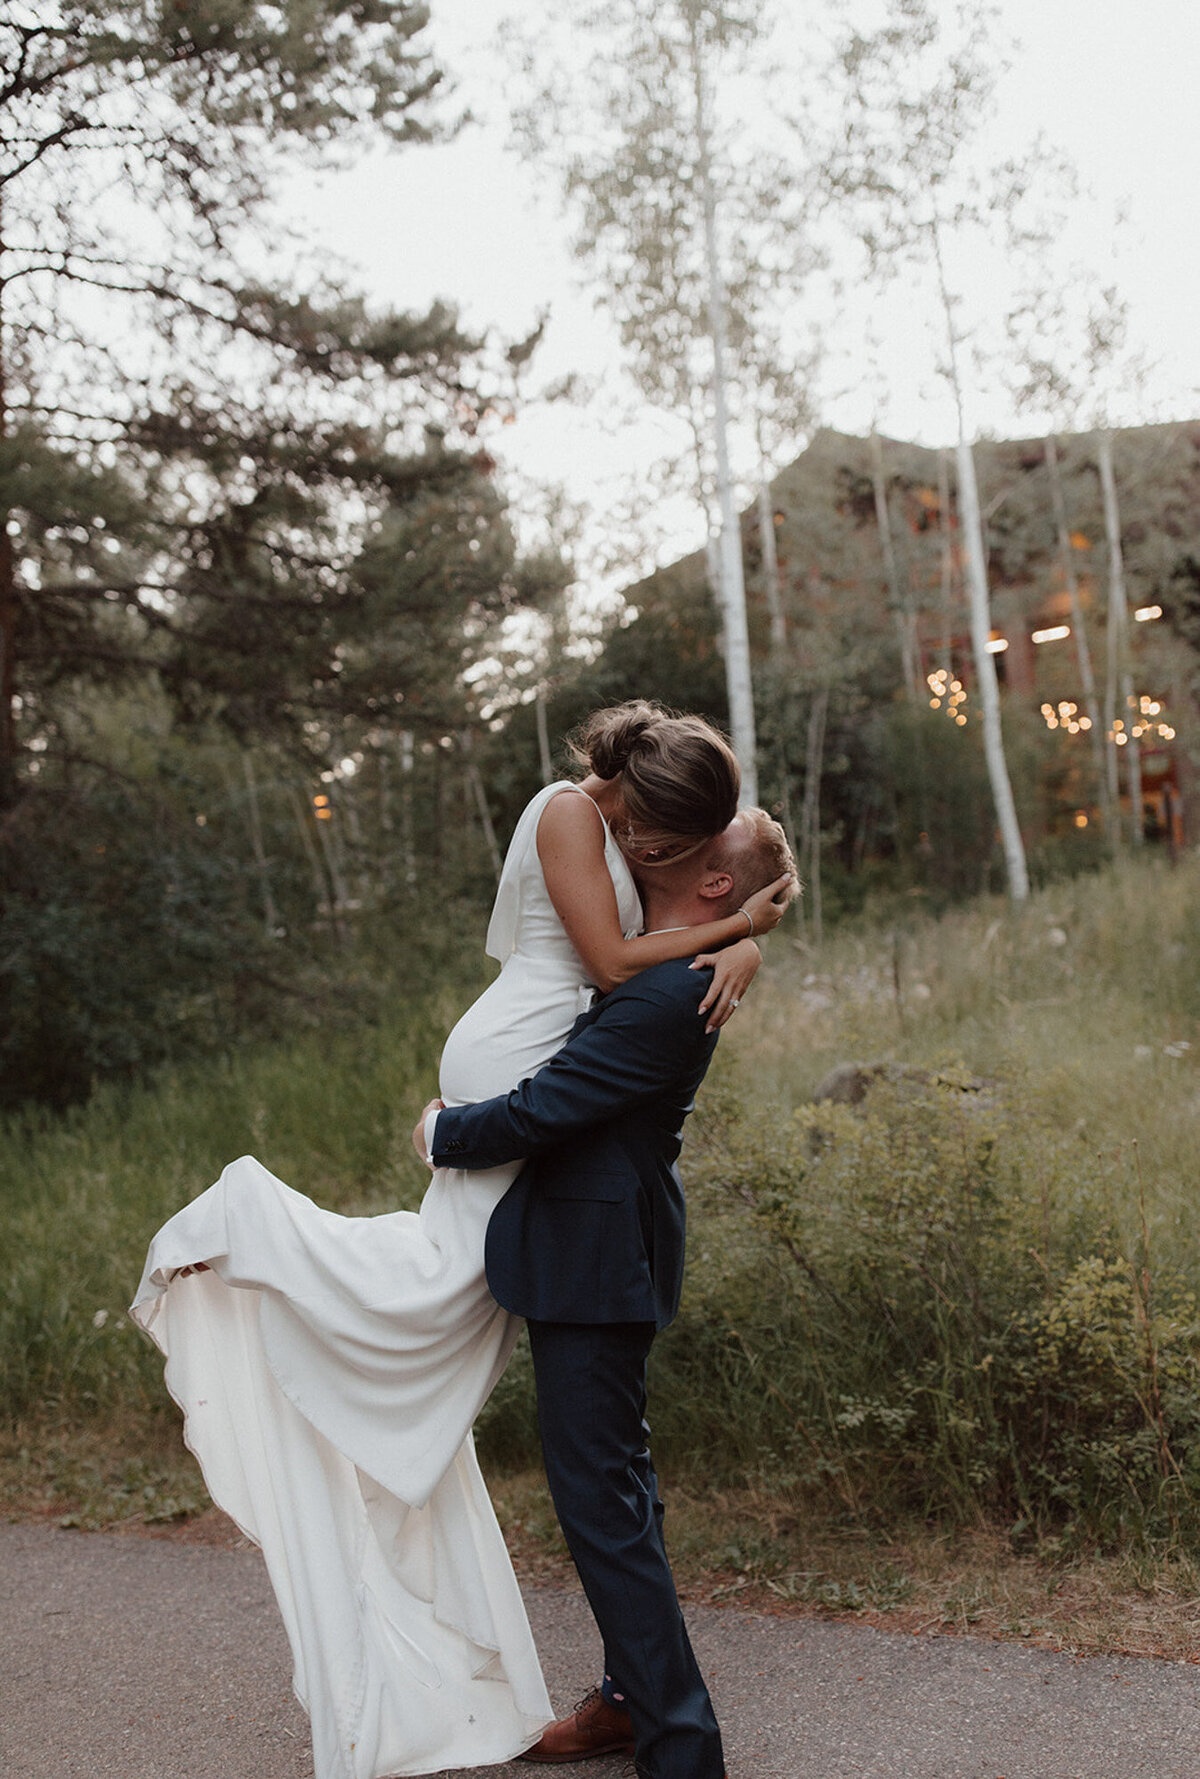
[(964, 1334)]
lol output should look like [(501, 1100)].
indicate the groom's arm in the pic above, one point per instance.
[(640, 1043)]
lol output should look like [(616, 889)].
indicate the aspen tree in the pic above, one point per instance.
[(690, 246), (913, 98)]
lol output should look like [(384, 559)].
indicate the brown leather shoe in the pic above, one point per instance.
[(594, 1727)]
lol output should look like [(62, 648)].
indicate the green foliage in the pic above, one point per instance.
[(205, 475), (330, 1111), (968, 1299), (961, 1298), (123, 924), (252, 507)]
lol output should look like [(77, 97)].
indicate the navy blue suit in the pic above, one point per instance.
[(588, 1246)]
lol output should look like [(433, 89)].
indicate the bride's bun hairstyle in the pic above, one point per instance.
[(679, 776)]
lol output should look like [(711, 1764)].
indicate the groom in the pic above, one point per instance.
[(588, 1246)]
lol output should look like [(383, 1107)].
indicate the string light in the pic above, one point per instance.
[(947, 694), (1143, 723), (1055, 633), (1066, 716), (1146, 613)]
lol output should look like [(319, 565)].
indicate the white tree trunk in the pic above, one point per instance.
[(270, 912), (971, 527), (770, 563), (543, 737), (407, 843), (1083, 654), (477, 794), (354, 829), (1120, 677), (732, 578), (905, 627), (947, 560), (331, 846), (985, 674), (810, 819), (322, 889)]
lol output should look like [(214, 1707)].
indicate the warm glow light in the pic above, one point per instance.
[(1144, 613), (1066, 716), (1081, 820), (948, 694), (1055, 633), (997, 645)]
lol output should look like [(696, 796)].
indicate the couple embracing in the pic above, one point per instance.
[(330, 1368)]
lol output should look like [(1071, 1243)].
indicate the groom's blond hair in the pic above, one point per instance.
[(754, 850)]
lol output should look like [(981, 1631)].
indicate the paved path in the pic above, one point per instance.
[(128, 1658)]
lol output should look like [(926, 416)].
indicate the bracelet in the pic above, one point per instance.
[(750, 918)]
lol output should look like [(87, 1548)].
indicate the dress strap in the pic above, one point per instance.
[(568, 784)]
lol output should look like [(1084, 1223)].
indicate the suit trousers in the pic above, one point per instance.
[(591, 1393)]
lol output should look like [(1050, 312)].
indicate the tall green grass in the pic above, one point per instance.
[(969, 1301), (81, 1194), (976, 1304)]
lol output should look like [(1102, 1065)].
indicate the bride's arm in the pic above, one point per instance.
[(570, 844)]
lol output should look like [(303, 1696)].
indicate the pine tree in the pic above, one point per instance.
[(196, 463)]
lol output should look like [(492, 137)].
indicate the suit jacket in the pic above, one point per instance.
[(592, 1229)]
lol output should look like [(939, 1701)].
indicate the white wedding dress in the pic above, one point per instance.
[(330, 1368)]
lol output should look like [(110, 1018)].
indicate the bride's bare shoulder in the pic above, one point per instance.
[(571, 821)]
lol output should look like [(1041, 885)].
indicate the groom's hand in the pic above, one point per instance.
[(419, 1130)]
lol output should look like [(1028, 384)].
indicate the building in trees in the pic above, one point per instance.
[(891, 780)]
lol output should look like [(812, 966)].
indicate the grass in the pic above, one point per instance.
[(83, 1193), (974, 1305), (750, 1549), (938, 1356)]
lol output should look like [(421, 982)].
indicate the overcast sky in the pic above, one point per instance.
[(1114, 83)]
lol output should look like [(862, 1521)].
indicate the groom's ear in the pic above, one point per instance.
[(715, 886)]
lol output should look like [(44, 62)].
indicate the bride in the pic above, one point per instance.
[(330, 1368)]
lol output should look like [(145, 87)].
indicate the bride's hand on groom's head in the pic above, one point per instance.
[(767, 906)]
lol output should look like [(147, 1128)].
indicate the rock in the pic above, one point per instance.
[(849, 1083)]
